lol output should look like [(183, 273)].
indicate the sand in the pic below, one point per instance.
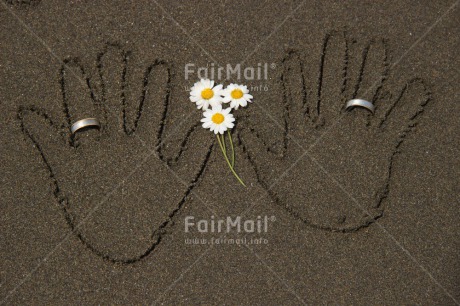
[(358, 208)]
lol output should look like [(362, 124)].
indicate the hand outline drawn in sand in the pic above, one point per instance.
[(22, 3), (84, 174), (357, 149)]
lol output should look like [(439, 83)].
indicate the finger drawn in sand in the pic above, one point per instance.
[(131, 149), (336, 181)]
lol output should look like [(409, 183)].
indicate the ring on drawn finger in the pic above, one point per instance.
[(83, 123), (360, 103)]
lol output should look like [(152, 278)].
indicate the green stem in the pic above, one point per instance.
[(223, 142), (233, 149), (228, 162)]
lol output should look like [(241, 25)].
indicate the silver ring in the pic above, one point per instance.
[(361, 103), (84, 123)]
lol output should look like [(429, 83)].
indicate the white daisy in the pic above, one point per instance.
[(218, 120), (204, 93), (237, 95)]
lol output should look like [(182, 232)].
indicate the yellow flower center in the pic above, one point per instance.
[(207, 93), (236, 93), (217, 118)]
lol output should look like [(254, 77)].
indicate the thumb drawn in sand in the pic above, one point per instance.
[(96, 175), (334, 167)]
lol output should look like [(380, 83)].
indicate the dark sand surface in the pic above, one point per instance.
[(369, 214)]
